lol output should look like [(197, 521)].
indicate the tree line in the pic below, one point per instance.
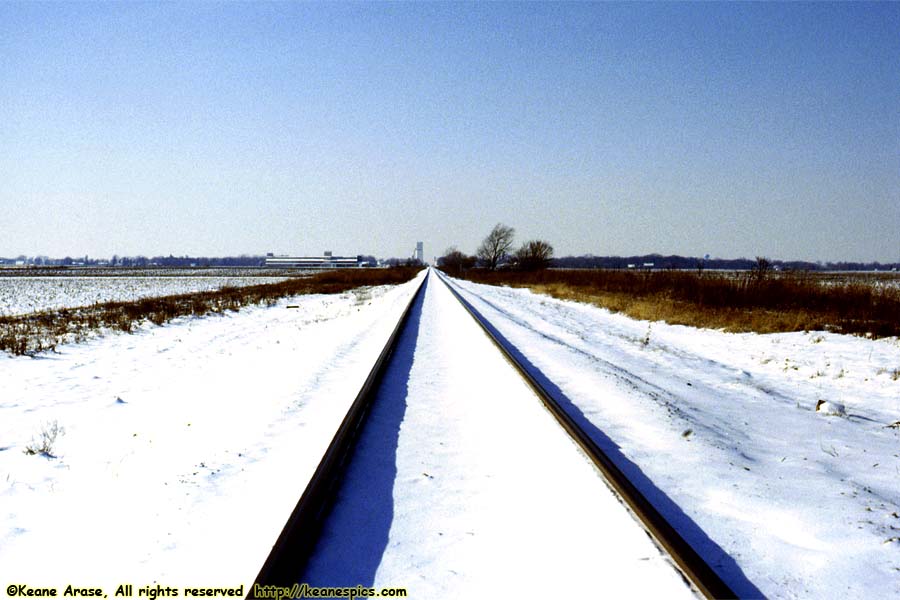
[(495, 252), (660, 261)]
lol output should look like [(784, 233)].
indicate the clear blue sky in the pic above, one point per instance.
[(213, 129)]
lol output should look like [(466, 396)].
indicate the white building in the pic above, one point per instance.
[(326, 261)]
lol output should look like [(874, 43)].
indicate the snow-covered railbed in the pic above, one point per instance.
[(464, 486), (722, 431), (184, 447)]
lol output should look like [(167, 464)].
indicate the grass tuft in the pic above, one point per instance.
[(44, 446)]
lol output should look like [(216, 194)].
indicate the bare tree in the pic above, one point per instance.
[(496, 245), (761, 270), (534, 255)]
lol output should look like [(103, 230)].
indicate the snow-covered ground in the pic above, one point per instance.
[(722, 431), (185, 447), (464, 486), (22, 294)]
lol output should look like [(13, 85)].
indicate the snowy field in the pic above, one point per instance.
[(185, 447), (21, 294), (723, 431)]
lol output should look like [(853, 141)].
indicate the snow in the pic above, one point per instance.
[(464, 486), (185, 446), (722, 431), (24, 294), (834, 409)]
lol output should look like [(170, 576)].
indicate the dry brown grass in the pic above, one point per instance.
[(37, 332), (760, 302)]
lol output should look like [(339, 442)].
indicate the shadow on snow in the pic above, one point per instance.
[(711, 552), (355, 533)]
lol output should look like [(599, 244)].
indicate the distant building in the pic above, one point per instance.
[(326, 261), (420, 252)]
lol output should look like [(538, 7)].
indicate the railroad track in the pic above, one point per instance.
[(297, 541), (691, 564)]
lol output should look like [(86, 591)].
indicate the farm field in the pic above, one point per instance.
[(173, 442), (760, 301), (35, 332), (776, 455), (874, 279), (23, 293), (780, 452)]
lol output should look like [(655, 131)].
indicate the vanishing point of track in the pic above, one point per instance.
[(297, 540)]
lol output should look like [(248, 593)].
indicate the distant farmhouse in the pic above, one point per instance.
[(326, 261)]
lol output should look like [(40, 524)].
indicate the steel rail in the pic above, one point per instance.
[(297, 540), (691, 565)]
